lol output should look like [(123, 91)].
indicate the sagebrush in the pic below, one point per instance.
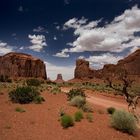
[(75, 92), (87, 107), (78, 101), (124, 121)]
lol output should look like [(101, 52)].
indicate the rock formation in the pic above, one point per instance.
[(130, 64), (59, 78), (82, 68), (17, 65)]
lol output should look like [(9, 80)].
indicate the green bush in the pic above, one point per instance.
[(56, 90), (111, 110), (78, 116), (78, 101), (89, 117), (38, 99), (33, 82), (124, 121), (75, 92), (87, 108), (19, 109), (67, 121), (23, 95)]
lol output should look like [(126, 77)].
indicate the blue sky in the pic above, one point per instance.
[(61, 31)]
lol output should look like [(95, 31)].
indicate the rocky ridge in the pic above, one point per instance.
[(131, 64)]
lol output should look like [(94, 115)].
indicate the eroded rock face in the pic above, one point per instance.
[(59, 78), (82, 69), (22, 65), (130, 64)]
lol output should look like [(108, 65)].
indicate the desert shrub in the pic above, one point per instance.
[(78, 116), (123, 121), (19, 109), (38, 99), (87, 108), (56, 90), (33, 82), (78, 101), (67, 121), (89, 117), (23, 95), (111, 110), (75, 92), (49, 82)]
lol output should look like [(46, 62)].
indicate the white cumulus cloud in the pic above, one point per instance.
[(113, 37), (5, 48), (100, 60), (62, 54), (38, 42)]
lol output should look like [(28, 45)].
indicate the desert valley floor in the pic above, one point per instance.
[(41, 121)]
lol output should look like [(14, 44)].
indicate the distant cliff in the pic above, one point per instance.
[(22, 65), (130, 64), (59, 78)]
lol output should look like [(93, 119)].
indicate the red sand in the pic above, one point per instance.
[(40, 122)]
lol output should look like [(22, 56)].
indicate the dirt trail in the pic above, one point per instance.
[(103, 101)]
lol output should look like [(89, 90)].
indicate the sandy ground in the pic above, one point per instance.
[(101, 99), (41, 121)]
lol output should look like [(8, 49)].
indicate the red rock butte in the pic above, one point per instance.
[(59, 78), (131, 64), (16, 65)]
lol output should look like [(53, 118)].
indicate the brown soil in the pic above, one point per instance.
[(41, 121)]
